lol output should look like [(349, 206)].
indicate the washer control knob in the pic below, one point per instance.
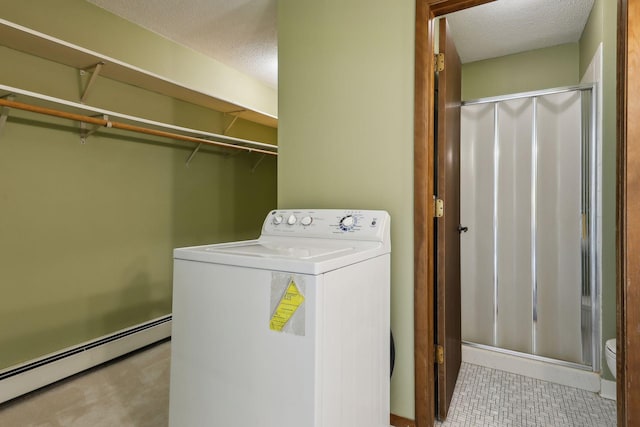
[(277, 220), (307, 220), (292, 219), (347, 223)]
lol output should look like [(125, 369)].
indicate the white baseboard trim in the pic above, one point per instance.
[(608, 389), (572, 377), (24, 378)]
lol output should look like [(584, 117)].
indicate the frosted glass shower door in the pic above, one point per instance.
[(522, 189), (559, 226), (496, 206), (513, 224), (477, 136)]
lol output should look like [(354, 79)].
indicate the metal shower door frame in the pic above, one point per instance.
[(591, 210)]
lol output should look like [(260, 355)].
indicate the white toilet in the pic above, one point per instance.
[(610, 352)]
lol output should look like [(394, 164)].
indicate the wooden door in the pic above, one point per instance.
[(427, 11), (628, 214), (447, 227)]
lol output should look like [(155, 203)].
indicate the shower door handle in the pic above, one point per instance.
[(462, 229)]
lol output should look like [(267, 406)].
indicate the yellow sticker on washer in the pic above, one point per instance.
[(289, 303)]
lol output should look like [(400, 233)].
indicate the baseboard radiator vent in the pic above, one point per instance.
[(21, 379)]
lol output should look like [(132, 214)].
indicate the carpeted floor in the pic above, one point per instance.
[(132, 391)]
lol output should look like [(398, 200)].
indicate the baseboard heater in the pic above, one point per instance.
[(21, 379)]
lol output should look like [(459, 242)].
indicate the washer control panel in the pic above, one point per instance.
[(327, 223)]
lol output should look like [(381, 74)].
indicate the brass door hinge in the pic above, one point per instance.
[(438, 208), (439, 355), (439, 65)]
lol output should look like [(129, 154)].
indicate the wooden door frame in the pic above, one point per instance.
[(628, 214), (423, 252), (621, 205), (628, 161)]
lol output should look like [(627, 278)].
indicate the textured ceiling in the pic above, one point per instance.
[(243, 33), (510, 26), (239, 33)]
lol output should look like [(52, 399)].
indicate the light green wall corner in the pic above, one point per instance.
[(86, 25), (346, 131), (592, 35), (522, 72), (601, 28), (88, 229)]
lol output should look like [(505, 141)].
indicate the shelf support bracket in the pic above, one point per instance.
[(193, 154), (94, 75), (86, 130), (253, 169), (4, 112), (235, 118)]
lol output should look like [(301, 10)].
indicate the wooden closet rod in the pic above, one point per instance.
[(108, 123)]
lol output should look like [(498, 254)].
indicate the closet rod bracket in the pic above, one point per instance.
[(86, 130), (253, 169), (193, 154), (94, 75)]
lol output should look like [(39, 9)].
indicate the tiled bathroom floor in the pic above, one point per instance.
[(492, 398)]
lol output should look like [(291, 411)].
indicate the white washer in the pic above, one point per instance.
[(289, 330)]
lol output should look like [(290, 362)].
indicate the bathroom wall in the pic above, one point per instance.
[(346, 132), (560, 66), (522, 72), (88, 229)]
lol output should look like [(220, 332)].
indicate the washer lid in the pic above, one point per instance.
[(279, 250), (307, 256)]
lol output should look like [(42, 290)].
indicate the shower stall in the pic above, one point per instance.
[(528, 197)]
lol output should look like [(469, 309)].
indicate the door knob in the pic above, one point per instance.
[(462, 229)]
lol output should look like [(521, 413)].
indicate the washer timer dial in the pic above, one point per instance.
[(347, 223)]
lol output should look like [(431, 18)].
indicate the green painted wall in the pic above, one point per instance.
[(86, 25), (88, 230), (345, 125), (346, 131), (522, 72), (601, 28), (592, 35)]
